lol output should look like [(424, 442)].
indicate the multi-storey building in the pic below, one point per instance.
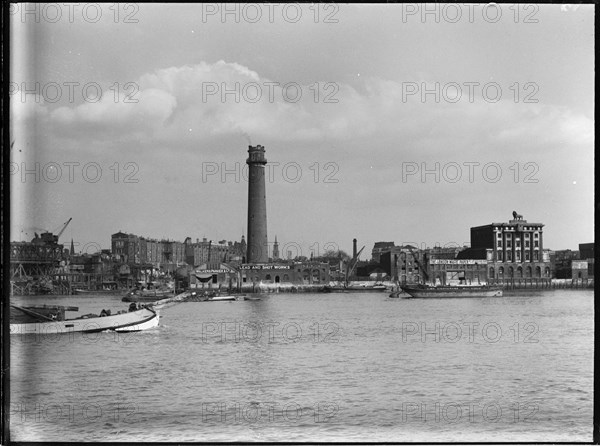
[(586, 251), (513, 250), (126, 247), (404, 264), (444, 268), (562, 262), (132, 249), (206, 252), (380, 248), (514, 242)]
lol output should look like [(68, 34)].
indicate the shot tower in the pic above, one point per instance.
[(257, 206)]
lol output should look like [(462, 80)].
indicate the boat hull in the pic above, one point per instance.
[(221, 298), (452, 291), (83, 292), (143, 319), (147, 297), (352, 289)]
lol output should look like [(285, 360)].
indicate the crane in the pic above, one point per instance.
[(48, 237), (63, 229)]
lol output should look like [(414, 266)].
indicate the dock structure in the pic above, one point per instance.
[(34, 268), (45, 267)]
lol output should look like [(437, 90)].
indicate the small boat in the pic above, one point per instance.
[(443, 291), (83, 291), (221, 298), (251, 298), (169, 301), (147, 296), (50, 319), (156, 293), (352, 288)]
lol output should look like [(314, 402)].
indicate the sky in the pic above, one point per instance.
[(408, 123)]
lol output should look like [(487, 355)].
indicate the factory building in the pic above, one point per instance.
[(514, 251)]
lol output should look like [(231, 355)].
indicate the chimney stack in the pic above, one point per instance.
[(257, 247)]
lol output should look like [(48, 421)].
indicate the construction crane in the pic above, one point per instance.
[(63, 229), (48, 237)]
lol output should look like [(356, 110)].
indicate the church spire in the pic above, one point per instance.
[(275, 249)]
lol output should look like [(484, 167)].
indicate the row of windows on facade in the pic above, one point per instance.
[(518, 257), (286, 278), (508, 243), (437, 266), (508, 236), (511, 272), (157, 252)]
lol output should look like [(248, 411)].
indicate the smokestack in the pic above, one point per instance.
[(257, 247), (354, 248)]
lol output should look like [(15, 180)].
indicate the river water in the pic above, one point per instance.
[(316, 367)]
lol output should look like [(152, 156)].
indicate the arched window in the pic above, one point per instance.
[(547, 272), (511, 272), (316, 275), (286, 278), (276, 279), (500, 272), (529, 271), (519, 272), (268, 277), (491, 272), (538, 271)]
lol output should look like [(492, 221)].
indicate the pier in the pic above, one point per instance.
[(537, 283)]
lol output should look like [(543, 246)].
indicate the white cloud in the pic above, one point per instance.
[(152, 108), (219, 99)]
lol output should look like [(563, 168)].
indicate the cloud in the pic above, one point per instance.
[(185, 106), (152, 107), (27, 108)]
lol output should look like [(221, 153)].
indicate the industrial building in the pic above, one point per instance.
[(514, 251)]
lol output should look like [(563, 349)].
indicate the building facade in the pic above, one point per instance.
[(586, 251), (514, 251), (380, 248), (514, 242), (458, 271), (404, 264), (207, 252), (126, 247), (298, 273), (150, 253)]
